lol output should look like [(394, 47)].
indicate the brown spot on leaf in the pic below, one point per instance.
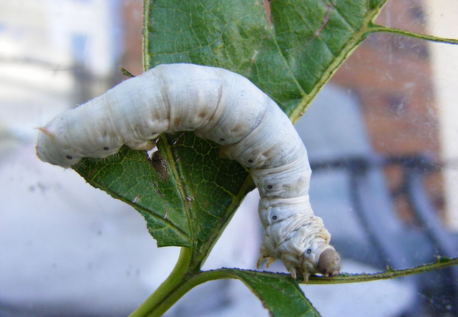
[(159, 165)]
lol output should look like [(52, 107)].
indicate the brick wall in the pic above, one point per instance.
[(391, 76)]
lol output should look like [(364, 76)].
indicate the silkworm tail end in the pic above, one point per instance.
[(44, 142), (46, 132)]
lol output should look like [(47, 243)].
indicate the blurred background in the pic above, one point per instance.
[(382, 139)]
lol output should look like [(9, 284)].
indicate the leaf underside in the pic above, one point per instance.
[(289, 60), (280, 294)]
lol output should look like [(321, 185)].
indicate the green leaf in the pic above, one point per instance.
[(128, 176), (281, 295), (187, 194), (191, 201), (186, 208), (291, 61)]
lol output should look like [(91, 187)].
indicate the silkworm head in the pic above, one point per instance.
[(329, 262)]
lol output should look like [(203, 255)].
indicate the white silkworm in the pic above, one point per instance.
[(228, 109)]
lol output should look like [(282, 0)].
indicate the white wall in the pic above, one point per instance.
[(443, 21), (38, 52)]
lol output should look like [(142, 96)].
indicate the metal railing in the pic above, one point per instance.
[(400, 248)]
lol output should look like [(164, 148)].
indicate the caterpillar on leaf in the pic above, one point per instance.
[(221, 106)]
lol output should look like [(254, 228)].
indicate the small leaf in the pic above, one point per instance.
[(280, 294), (128, 175)]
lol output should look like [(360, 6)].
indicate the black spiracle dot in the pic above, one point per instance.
[(269, 186), (153, 133), (274, 217), (69, 157), (222, 139), (250, 161), (309, 251), (106, 148)]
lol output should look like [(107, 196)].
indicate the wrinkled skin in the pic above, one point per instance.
[(228, 109)]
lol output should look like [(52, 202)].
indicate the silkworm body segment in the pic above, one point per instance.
[(228, 109)]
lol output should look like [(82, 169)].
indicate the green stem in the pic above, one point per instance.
[(343, 278), (386, 275), (170, 291), (380, 28), (179, 282)]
